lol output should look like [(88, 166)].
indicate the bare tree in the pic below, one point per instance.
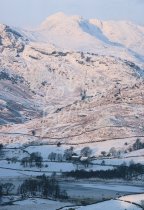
[(52, 156), (68, 153)]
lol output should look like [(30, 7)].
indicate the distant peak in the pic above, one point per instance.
[(59, 18), (57, 15), (63, 15)]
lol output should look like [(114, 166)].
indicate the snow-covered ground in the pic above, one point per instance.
[(97, 148), (119, 161), (112, 205), (10, 173), (8, 168), (15, 169), (35, 204), (133, 198), (115, 187)]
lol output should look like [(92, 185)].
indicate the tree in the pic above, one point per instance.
[(118, 153), (103, 153), (138, 145), (83, 95), (68, 153), (8, 187), (58, 144), (86, 152), (36, 159), (59, 157), (88, 59), (25, 161), (113, 151), (52, 156), (103, 163), (41, 186), (39, 161), (1, 146), (33, 132), (1, 191), (14, 160), (1, 150), (131, 163)]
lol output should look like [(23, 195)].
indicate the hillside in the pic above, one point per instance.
[(73, 81)]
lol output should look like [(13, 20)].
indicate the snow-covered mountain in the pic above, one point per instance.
[(72, 80), (76, 33)]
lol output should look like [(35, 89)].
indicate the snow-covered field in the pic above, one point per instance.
[(35, 204), (16, 169), (119, 161), (112, 205), (133, 198), (115, 187)]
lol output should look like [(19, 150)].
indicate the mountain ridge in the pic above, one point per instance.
[(92, 35), (117, 38)]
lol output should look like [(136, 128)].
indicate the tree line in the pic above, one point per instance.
[(41, 186), (121, 172)]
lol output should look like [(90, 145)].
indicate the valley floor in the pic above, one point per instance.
[(115, 194)]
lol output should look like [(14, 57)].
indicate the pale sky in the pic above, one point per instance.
[(32, 12)]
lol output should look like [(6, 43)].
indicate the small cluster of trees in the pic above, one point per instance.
[(117, 153), (35, 160), (68, 154), (122, 172), (55, 157), (6, 188), (41, 186), (112, 153), (61, 157), (138, 145), (86, 152)]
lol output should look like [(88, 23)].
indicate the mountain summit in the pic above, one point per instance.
[(118, 38)]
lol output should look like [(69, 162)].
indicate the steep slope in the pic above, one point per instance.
[(87, 98), (16, 98), (126, 34)]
